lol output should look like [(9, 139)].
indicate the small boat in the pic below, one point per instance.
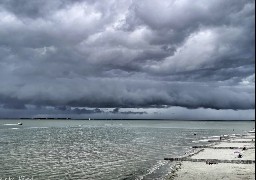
[(19, 123)]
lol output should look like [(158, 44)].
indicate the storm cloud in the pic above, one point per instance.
[(127, 54)]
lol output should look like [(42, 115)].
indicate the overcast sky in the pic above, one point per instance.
[(127, 59)]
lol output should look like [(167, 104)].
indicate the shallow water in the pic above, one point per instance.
[(76, 149)]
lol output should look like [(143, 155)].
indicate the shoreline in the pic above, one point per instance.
[(218, 160)]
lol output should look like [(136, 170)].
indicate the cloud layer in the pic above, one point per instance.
[(125, 53)]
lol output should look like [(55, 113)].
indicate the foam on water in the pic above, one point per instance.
[(203, 140), (214, 137), (37, 127)]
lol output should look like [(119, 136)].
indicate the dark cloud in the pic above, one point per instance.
[(115, 110), (133, 112), (85, 111), (126, 54), (106, 92), (37, 8)]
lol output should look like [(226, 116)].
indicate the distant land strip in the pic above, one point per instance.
[(68, 118)]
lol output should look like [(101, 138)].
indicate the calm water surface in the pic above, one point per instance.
[(76, 149)]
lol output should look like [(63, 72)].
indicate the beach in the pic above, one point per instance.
[(200, 170), (220, 160)]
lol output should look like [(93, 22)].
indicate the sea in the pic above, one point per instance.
[(102, 149)]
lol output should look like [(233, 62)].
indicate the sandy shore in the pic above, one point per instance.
[(242, 139), (227, 144), (203, 171), (225, 150), (225, 154)]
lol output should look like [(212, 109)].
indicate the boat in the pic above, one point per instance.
[(20, 123)]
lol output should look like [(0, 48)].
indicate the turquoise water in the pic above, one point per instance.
[(76, 149)]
